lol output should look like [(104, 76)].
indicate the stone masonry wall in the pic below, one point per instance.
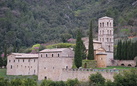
[(126, 63), (83, 74)]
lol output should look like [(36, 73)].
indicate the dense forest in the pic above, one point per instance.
[(27, 22)]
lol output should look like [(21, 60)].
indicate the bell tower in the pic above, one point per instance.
[(105, 33)]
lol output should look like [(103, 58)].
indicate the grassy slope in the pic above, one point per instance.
[(116, 67), (2, 72)]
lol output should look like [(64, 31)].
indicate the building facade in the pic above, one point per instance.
[(22, 64), (52, 61), (105, 33)]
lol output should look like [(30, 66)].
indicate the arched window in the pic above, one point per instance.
[(110, 31), (110, 24), (100, 24), (107, 31), (41, 55), (52, 55), (58, 55), (103, 24), (46, 55), (109, 47), (107, 39), (107, 24)]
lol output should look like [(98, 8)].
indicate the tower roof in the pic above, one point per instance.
[(105, 17)]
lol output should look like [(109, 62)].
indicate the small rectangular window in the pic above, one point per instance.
[(23, 60), (58, 55), (52, 55), (14, 60), (18, 60), (29, 60), (9, 60), (11, 67), (34, 60)]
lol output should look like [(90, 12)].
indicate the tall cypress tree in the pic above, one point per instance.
[(78, 57), (119, 50), (83, 50), (90, 47)]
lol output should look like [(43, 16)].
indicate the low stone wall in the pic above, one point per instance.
[(83, 74), (127, 63)]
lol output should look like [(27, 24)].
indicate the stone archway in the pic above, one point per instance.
[(129, 65), (85, 65), (122, 65), (45, 77)]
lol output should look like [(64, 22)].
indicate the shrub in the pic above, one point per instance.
[(71, 82), (97, 78), (61, 45)]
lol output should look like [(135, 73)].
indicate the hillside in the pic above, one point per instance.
[(27, 22)]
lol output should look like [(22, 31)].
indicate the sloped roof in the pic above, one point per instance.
[(86, 42), (101, 48), (25, 55), (53, 50), (101, 53), (105, 17)]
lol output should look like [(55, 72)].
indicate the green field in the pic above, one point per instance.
[(117, 67), (2, 72)]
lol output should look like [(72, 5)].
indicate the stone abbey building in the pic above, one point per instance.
[(56, 64)]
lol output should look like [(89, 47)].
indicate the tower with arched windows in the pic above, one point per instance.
[(105, 32)]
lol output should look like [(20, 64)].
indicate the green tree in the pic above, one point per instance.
[(90, 47), (16, 82), (126, 78), (47, 83), (109, 83), (1, 62), (83, 50), (30, 82), (119, 50), (4, 82), (71, 82), (97, 79), (78, 56)]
